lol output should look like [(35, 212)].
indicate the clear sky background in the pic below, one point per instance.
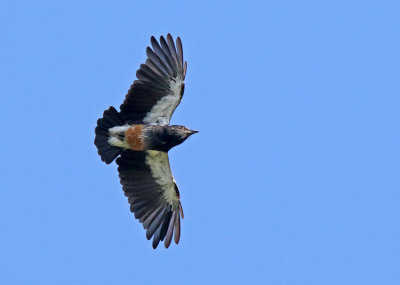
[(293, 178)]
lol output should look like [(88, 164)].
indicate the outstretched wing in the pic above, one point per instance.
[(160, 85), (147, 181)]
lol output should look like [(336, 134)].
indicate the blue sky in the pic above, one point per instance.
[(293, 178)]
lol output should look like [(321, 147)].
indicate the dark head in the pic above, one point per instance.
[(179, 133), (164, 137), (170, 136)]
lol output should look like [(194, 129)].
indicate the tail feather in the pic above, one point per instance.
[(106, 151)]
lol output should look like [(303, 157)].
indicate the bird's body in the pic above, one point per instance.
[(139, 136), (148, 137)]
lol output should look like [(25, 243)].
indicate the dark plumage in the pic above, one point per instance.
[(140, 136)]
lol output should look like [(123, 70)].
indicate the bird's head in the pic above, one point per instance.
[(180, 133)]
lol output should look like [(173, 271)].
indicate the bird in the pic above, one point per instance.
[(139, 136)]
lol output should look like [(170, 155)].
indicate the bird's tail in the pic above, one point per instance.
[(110, 119)]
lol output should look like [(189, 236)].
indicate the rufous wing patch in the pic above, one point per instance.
[(134, 137)]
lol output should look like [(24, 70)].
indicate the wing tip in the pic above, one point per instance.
[(184, 69)]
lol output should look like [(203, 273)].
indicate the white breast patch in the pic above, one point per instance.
[(118, 129), (114, 132)]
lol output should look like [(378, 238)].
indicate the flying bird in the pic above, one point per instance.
[(139, 137)]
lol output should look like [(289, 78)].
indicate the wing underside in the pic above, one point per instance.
[(152, 193), (159, 87)]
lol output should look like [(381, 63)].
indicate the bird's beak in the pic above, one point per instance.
[(193, 132)]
